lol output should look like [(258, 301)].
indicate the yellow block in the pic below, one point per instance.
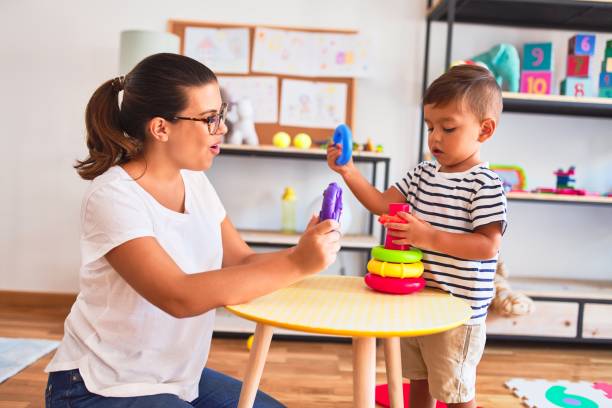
[(395, 270)]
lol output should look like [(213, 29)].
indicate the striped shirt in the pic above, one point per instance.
[(459, 203)]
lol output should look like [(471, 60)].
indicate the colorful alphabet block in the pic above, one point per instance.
[(606, 65), (537, 57), (582, 44), (578, 65), (608, 52), (578, 87), (605, 80), (536, 82)]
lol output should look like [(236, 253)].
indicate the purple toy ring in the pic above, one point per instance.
[(332, 203)]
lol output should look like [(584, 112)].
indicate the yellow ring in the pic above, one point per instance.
[(395, 270)]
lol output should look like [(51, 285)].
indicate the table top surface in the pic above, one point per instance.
[(344, 305)]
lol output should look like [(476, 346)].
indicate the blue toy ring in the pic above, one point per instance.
[(343, 135)]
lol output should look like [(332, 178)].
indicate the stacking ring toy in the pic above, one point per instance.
[(380, 253), (394, 286), (395, 270), (343, 135), (332, 203)]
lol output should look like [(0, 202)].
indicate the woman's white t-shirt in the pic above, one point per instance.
[(122, 344)]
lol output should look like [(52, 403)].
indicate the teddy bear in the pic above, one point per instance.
[(243, 128), (506, 302)]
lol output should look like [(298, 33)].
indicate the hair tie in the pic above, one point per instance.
[(118, 83)]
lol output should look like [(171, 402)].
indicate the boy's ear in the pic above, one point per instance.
[(487, 128), (158, 128)]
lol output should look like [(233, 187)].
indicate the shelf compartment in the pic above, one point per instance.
[(559, 198), (557, 104), (566, 289), (294, 152), (575, 15), (281, 239)]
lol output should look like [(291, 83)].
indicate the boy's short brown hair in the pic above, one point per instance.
[(472, 85)]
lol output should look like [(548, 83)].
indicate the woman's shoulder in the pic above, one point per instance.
[(113, 184)]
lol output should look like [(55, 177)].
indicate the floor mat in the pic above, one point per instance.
[(564, 394), (17, 354)]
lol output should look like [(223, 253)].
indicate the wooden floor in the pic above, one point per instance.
[(306, 374)]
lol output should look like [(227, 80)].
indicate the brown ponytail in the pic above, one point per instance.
[(154, 88), (107, 143)]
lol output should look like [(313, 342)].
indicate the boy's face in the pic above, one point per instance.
[(455, 135)]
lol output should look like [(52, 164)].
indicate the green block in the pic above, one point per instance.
[(537, 57), (608, 52), (605, 92), (609, 44)]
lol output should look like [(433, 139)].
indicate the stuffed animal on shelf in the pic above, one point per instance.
[(507, 302), (243, 128), (503, 62)]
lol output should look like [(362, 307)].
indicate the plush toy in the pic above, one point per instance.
[(507, 302), (243, 129), (503, 62)]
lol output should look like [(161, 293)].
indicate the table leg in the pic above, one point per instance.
[(394, 372), (257, 360), (364, 371)]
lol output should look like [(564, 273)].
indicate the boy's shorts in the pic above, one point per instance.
[(448, 360)]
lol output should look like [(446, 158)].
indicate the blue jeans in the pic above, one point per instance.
[(66, 389)]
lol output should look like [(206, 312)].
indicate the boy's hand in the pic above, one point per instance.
[(333, 152), (415, 231)]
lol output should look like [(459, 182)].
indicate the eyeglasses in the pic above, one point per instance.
[(213, 122)]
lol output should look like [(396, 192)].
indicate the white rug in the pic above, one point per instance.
[(17, 354)]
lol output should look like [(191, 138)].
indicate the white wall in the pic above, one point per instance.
[(54, 54)]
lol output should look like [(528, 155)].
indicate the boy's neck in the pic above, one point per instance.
[(462, 166)]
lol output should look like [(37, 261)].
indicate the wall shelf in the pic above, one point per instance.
[(577, 15), (558, 198), (282, 239), (294, 152), (557, 104)]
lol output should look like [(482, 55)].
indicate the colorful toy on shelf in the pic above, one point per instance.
[(392, 270), (302, 141), (243, 130), (288, 217), (536, 77), (564, 184), (281, 139), (605, 77), (331, 208), (513, 177), (343, 135), (503, 62), (578, 82), (582, 44)]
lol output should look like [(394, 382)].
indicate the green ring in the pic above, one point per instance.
[(380, 253)]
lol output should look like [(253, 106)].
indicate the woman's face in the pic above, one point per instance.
[(191, 145)]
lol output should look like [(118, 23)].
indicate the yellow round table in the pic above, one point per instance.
[(345, 306)]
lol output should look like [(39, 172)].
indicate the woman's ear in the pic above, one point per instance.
[(487, 128), (159, 130)]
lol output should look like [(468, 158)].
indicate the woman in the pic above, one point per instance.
[(158, 252)]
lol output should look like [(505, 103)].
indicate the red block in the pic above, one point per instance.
[(578, 65)]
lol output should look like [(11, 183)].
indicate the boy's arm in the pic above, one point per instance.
[(372, 199), (483, 243)]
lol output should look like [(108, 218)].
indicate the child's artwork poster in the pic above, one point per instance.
[(313, 104), (223, 50), (262, 91), (309, 54)]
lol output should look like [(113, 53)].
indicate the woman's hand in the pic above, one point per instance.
[(415, 231), (317, 247), (333, 152)]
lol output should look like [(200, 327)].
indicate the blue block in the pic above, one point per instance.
[(537, 57), (605, 80), (582, 44)]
